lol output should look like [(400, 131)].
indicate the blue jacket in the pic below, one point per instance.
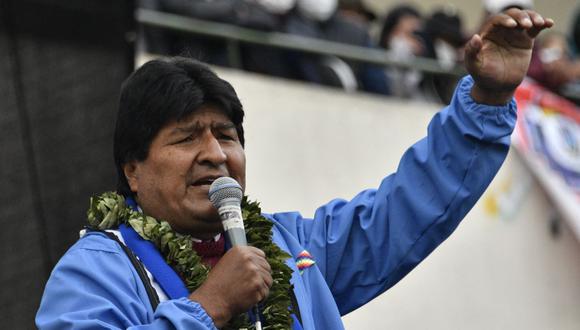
[(349, 253)]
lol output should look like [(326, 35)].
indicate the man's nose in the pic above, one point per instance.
[(211, 151)]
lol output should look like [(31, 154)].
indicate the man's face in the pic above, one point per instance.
[(184, 158)]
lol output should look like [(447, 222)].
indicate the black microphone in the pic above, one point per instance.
[(226, 194)]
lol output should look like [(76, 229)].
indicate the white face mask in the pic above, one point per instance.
[(405, 46), (318, 10), (400, 45), (446, 54), (277, 6)]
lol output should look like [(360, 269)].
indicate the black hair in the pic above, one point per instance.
[(162, 91), (447, 26), (392, 19)]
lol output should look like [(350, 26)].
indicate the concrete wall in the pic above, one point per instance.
[(502, 269)]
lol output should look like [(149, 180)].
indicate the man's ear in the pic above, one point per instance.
[(131, 174)]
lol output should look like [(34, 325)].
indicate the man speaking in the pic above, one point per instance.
[(155, 255)]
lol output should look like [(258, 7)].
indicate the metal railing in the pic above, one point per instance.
[(234, 35)]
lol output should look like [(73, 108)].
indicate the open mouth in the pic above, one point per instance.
[(203, 183), (206, 181)]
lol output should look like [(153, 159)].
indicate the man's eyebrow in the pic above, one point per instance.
[(197, 126), (185, 128), (223, 125)]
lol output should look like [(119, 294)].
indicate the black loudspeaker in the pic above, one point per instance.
[(61, 66)]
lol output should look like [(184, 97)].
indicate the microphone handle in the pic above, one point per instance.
[(233, 224), (258, 323), (237, 237)]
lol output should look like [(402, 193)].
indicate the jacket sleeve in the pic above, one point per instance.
[(366, 245), (94, 286)]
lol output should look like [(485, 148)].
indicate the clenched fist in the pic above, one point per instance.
[(240, 280)]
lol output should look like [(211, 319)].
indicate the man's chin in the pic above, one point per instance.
[(209, 232), (201, 230), (208, 219)]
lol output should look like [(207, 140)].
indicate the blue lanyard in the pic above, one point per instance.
[(167, 278), (148, 254)]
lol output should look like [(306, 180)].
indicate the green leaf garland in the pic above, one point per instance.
[(109, 210)]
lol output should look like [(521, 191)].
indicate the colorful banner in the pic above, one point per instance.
[(549, 127)]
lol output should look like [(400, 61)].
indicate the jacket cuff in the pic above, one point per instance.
[(189, 307), (486, 122), (200, 313), (463, 93)]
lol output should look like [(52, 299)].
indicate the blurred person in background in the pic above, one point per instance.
[(358, 11), (573, 88), (400, 35), (265, 15), (575, 34), (308, 20), (338, 22), (351, 25), (443, 39), (264, 59), (552, 64)]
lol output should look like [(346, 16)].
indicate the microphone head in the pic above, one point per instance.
[(225, 190)]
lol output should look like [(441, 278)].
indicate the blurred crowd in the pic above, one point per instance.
[(403, 31)]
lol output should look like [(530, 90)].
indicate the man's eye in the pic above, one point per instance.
[(187, 139), (227, 137)]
